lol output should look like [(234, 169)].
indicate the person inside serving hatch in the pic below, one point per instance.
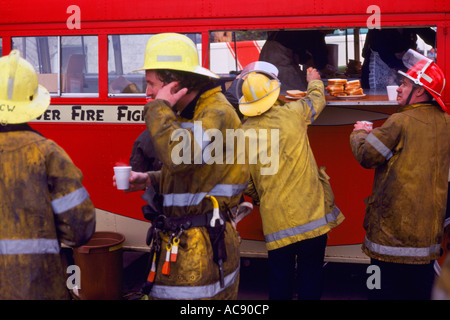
[(286, 50)]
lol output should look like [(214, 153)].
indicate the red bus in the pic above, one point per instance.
[(85, 53)]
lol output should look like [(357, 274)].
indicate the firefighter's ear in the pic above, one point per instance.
[(175, 88)]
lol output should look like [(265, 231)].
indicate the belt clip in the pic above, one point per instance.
[(216, 213)]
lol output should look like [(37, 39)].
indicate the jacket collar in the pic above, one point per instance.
[(17, 127), (417, 105), (188, 112)]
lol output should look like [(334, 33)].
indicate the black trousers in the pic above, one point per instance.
[(403, 281), (297, 266)]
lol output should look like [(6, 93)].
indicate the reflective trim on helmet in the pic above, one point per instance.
[(379, 146), (313, 225), (258, 99), (422, 74), (401, 251), (70, 200), (167, 58), (29, 246), (192, 199), (10, 88), (193, 292)]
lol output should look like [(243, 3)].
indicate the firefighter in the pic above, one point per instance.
[(43, 201), (198, 194), (296, 201), (410, 153)]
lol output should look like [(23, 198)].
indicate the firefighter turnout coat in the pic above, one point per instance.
[(410, 153), (193, 167), (296, 200), (43, 203)]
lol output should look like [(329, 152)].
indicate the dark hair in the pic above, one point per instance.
[(189, 80)]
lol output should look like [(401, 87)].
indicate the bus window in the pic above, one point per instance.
[(65, 65), (79, 65), (231, 51), (42, 53), (125, 55), (1, 47)]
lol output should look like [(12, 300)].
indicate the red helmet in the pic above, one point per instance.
[(424, 72)]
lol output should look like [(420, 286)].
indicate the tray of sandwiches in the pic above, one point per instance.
[(345, 90)]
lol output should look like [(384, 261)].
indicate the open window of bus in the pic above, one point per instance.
[(125, 55), (66, 66), (343, 53)]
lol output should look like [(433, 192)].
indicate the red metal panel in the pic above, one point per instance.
[(95, 149), (55, 11)]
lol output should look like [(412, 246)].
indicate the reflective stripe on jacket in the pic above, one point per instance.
[(43, 203), (411, 155), (187, 176), (297, 202)]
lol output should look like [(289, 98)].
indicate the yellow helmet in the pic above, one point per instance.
[(259, 94), (22, 99), (173, 51)]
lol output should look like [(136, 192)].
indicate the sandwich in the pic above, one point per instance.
[(296, 93), (342, 87), (336, 87), (353, 88)]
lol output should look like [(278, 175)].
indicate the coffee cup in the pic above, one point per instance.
[(392, 92), (122, 174), (367, 125)]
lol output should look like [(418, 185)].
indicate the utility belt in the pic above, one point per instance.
[(176, 224), (214, 221)]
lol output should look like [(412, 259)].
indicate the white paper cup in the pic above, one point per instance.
[(367, 124), (122, 177), (392, 92)]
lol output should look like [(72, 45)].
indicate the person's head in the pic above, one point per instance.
[(173, 57), (258, 88), (423, 81), (158, 78), (22, 99), (410, 93)]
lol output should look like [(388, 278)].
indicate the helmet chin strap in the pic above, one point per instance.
[(408, 100), (410, 96)]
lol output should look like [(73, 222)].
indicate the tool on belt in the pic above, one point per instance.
[(213, 221)]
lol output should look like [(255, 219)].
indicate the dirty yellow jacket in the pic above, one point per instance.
[(43, 203), (410, 153), (296, 200), (192, 148)]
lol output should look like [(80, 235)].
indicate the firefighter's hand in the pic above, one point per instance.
[(138, 181), (312, 74), (169, 93), (361, 126)]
